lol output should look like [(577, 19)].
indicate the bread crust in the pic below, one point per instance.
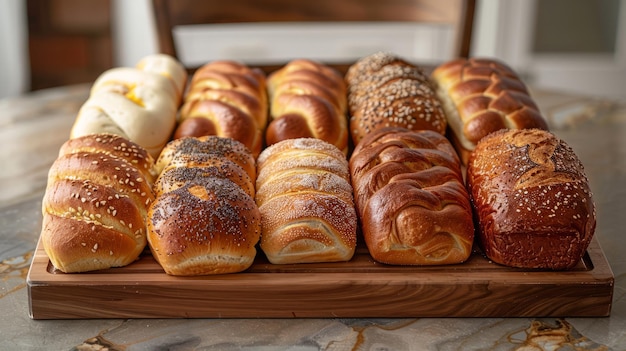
[(226, 99), (95, 203), (306, 203), (308, 100), (410, 195), (386, 91), (204, 219), (481, 96), (532, 200)]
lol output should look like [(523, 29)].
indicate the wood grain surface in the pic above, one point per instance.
[(358, 288)]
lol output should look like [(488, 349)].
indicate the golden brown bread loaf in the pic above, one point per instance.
[(387, 91), (95, 204), (306, 203), (532, 200), (411, 199), (204, 219), (227, 99), (308, 100), (481, 96), (138, 103)]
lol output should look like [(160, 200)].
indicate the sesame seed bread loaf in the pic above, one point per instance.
[(306, 204), (532, 200), (137, 103), (204, 219), (411, 198), (481, 96), (227, 99), (387, 91), (95, 204), (308, 100)]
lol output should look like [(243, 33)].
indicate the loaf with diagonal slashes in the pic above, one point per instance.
[(96, 202)]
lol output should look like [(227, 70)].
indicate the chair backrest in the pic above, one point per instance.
[(172, 15)]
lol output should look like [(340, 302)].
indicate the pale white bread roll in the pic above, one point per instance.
[(532, 200), (168, 67), (481, 96), (306, 204), (204, 219), (138, 105), (95, 204), (410, 195)]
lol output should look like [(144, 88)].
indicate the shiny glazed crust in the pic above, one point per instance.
[(410, 195), (95, 204), (226, 99), (387, 91), (308, 100), (481, 96), (532, 200)]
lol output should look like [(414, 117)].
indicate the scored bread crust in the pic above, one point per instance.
[(95, 203)]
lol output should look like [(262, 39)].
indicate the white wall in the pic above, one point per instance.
[(133, 31), (14, 62)]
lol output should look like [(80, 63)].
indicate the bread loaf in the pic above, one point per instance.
[(387, 91), (532, 200), (306, 204), (481, 96), (226, 99), (138, 103), (411, 198), (95, 204), (204, 219), (308, 100)]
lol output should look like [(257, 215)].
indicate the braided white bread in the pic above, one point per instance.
[(139, 103)]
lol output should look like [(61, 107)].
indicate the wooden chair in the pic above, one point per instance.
[(171, 14)]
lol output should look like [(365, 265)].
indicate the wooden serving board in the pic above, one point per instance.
[(358, 288)]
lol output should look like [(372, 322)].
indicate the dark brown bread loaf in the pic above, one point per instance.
[(532, 200)]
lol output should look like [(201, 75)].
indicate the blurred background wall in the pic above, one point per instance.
[(573, 45)]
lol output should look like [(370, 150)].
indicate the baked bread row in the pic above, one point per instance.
[(137, 103), (408, 183), (204, 219)]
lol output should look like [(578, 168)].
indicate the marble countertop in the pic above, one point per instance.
[(34, 126)]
